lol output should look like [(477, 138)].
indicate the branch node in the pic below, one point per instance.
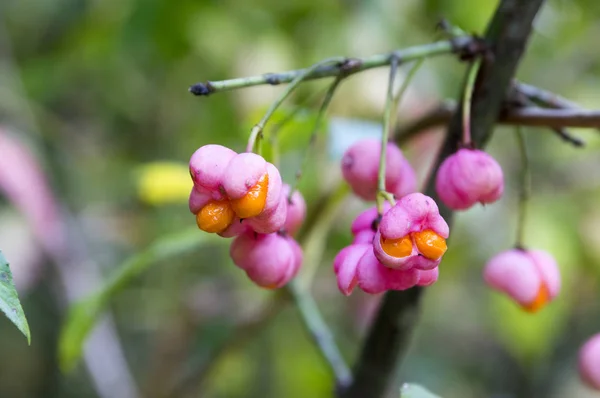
[(566, 136), (350, 65), (202, 89), (469, 49), (272, 79)]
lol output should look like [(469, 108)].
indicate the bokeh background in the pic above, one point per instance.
[(95, 93)]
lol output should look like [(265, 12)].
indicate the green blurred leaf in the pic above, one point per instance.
[(415, 391), (9, 299), (84, 314), (292, 126)]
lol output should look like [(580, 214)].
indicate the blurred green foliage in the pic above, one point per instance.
[(99, 89)]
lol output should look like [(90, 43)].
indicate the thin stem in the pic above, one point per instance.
[(567, 137), (389, 197), (385, 135), (405, 83), (316, 326), (313, 135), (461, 45), (545, 98), (391, 106), (274, 140), (256, 132), (467, 98), (525, 186)]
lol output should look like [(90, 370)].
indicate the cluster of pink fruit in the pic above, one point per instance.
[(242, 196), (403, 246)]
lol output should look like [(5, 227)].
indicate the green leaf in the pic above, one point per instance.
[(415, 391), (293, 126), (83, 315), (9, 299)]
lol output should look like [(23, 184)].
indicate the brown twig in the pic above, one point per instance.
[(545, 98), (555, 119)]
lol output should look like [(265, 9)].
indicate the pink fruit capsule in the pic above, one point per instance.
[(360, 166), (589, 362), (530, 277), (468, 177)]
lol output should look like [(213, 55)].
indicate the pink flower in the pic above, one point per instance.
[(530, 277), (296, 210), (589, 362), (360, 165), (232, 189), (467, 177), (270, 260), (412, 234)]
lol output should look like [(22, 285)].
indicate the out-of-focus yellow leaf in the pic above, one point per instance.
[(161, 183)]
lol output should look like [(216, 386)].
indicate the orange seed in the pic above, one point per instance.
[(215, 216), (272, 286), (253, 203), (543, 296), (430, 244), (398, 248)]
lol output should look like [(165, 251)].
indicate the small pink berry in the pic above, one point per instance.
[(272, 220), (270, 260), (373, 277), (365, 236), (236, 228), (360, 166), (589, 362), (412, 234), (407, 184), (468, 177), (345, 264), (530, 277), (357, 265), (296, 210), (208, 164), (428, 277), (242, 173), (275, 188), (230, 187), (199, 197)]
